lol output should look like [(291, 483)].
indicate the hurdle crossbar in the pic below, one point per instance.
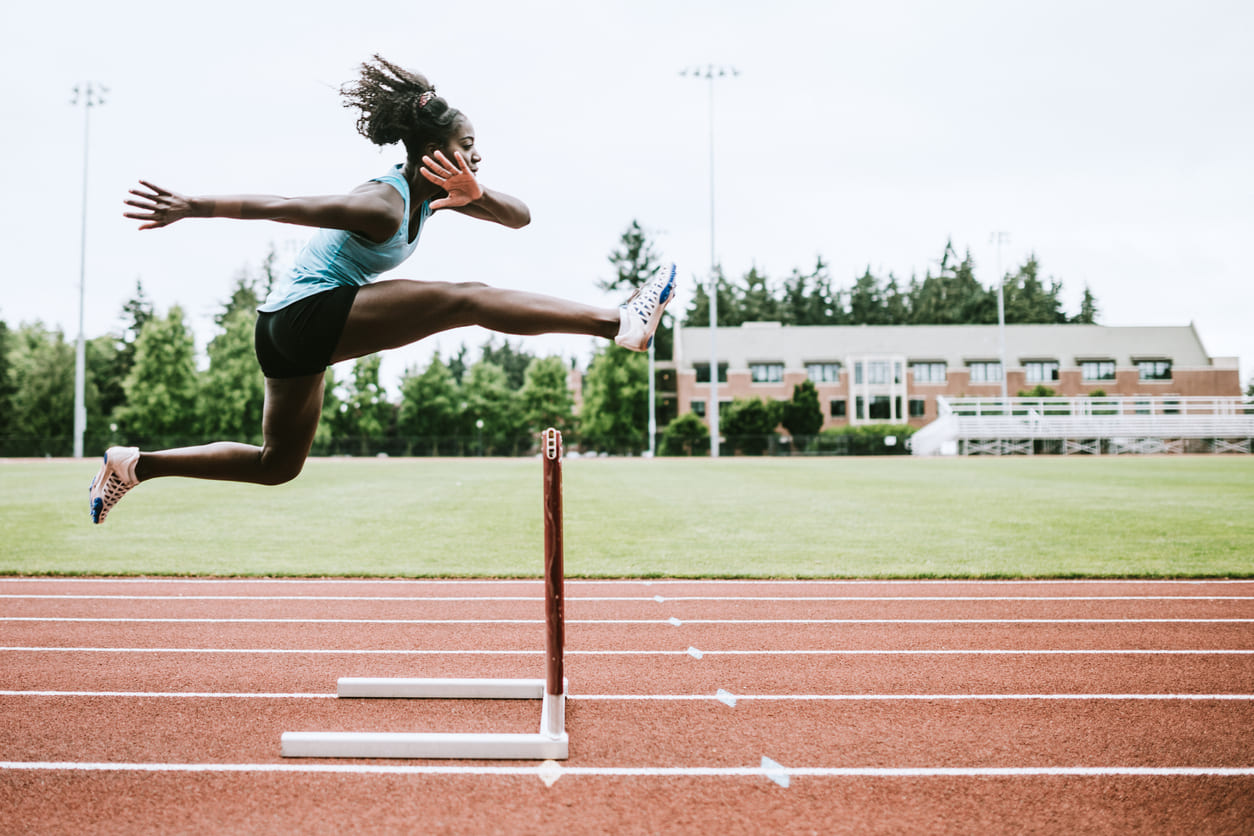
[(550, 743)]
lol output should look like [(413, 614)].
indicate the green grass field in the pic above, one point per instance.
[(829, 517)]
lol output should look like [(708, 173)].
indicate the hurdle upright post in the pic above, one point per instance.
[(554, 709), (550, 743)]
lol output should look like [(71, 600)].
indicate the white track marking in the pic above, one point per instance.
[(672, 622), (546, 770), (722, 696), (622, 599), (688, 652)]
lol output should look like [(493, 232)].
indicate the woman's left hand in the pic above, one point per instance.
[(458, 180)]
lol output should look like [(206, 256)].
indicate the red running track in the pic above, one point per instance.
[(132, 706)]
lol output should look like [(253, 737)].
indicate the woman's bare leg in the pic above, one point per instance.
[(390, 314), (289, 421)]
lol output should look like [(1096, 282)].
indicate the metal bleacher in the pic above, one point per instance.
[(1088, 425)]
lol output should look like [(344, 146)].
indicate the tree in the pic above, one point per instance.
[(232, 391), (6, 382), (802, 416), (430, 405), (866, 301), (161, 386), (545, 397), (953, 296), (616, 402), (809, 299), (490, 400), (687, 435), (513, 361), (750, 423), (1028, 300), (366, 415), (1088, 309), (42, 392), (635, 262), (757, 303)]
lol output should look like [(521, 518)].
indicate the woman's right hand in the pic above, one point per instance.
[(159, 207)]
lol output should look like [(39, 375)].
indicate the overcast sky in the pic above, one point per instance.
[(1113, 139)]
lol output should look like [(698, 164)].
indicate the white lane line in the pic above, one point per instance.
[(547, 769), (721, 696), (673, 622), (623, 599), (442, 581), (688, 652)]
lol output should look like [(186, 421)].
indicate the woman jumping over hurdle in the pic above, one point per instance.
[(328, 308)]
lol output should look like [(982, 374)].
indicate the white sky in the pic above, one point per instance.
[(1113, 139)]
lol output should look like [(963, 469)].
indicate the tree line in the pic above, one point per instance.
[(146, 385)]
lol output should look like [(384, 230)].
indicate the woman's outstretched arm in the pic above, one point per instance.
[(374, 209), (467, 196)]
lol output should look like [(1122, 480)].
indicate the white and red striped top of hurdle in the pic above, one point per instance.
[(550, 743)]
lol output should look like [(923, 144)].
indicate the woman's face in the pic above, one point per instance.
[(462, 139)]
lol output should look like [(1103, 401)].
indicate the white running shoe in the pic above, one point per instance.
[(115, 477), (642, 313)]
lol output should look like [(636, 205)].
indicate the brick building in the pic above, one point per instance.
[(894, 373)]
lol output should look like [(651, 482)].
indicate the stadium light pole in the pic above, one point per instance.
[(709, 73), (1000, 238), (89, 95)]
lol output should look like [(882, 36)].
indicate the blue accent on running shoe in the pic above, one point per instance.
[(96, 505)]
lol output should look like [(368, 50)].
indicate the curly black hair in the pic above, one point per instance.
[(394, 108)]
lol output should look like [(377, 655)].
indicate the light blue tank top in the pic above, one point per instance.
[(338, 258)]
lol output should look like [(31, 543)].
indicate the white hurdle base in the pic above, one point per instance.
[(550, 743)]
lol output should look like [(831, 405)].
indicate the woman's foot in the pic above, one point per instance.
[(642, 313), (115, 477)]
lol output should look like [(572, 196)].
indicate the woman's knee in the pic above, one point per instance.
[(277, 468)]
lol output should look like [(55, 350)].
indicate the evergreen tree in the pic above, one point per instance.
[(1088, 309), (635, 262), (896, 303), (615, 415), (866, 301), (430, 406), (802, 416), (545, 398), (810, 299), (756, 302), (698, 313), (457, 365), (1028, 300), (513, 361), (161, 386)]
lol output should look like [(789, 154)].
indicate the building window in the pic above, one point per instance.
[(918, 407), (879, 371), (823, 372), (766, 372), (703, 372), (881, 408), (1041, 371), (840, 408), (928, 372), (698, 408), (984, 372), (1098, 369), (1155, 369)]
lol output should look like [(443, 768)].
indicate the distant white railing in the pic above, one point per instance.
[(1086, 419)]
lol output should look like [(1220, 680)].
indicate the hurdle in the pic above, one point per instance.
[(550, 743)]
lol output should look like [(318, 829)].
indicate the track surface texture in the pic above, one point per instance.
[(781, 707)]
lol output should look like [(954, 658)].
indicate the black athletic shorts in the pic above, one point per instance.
[(299, 340)]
